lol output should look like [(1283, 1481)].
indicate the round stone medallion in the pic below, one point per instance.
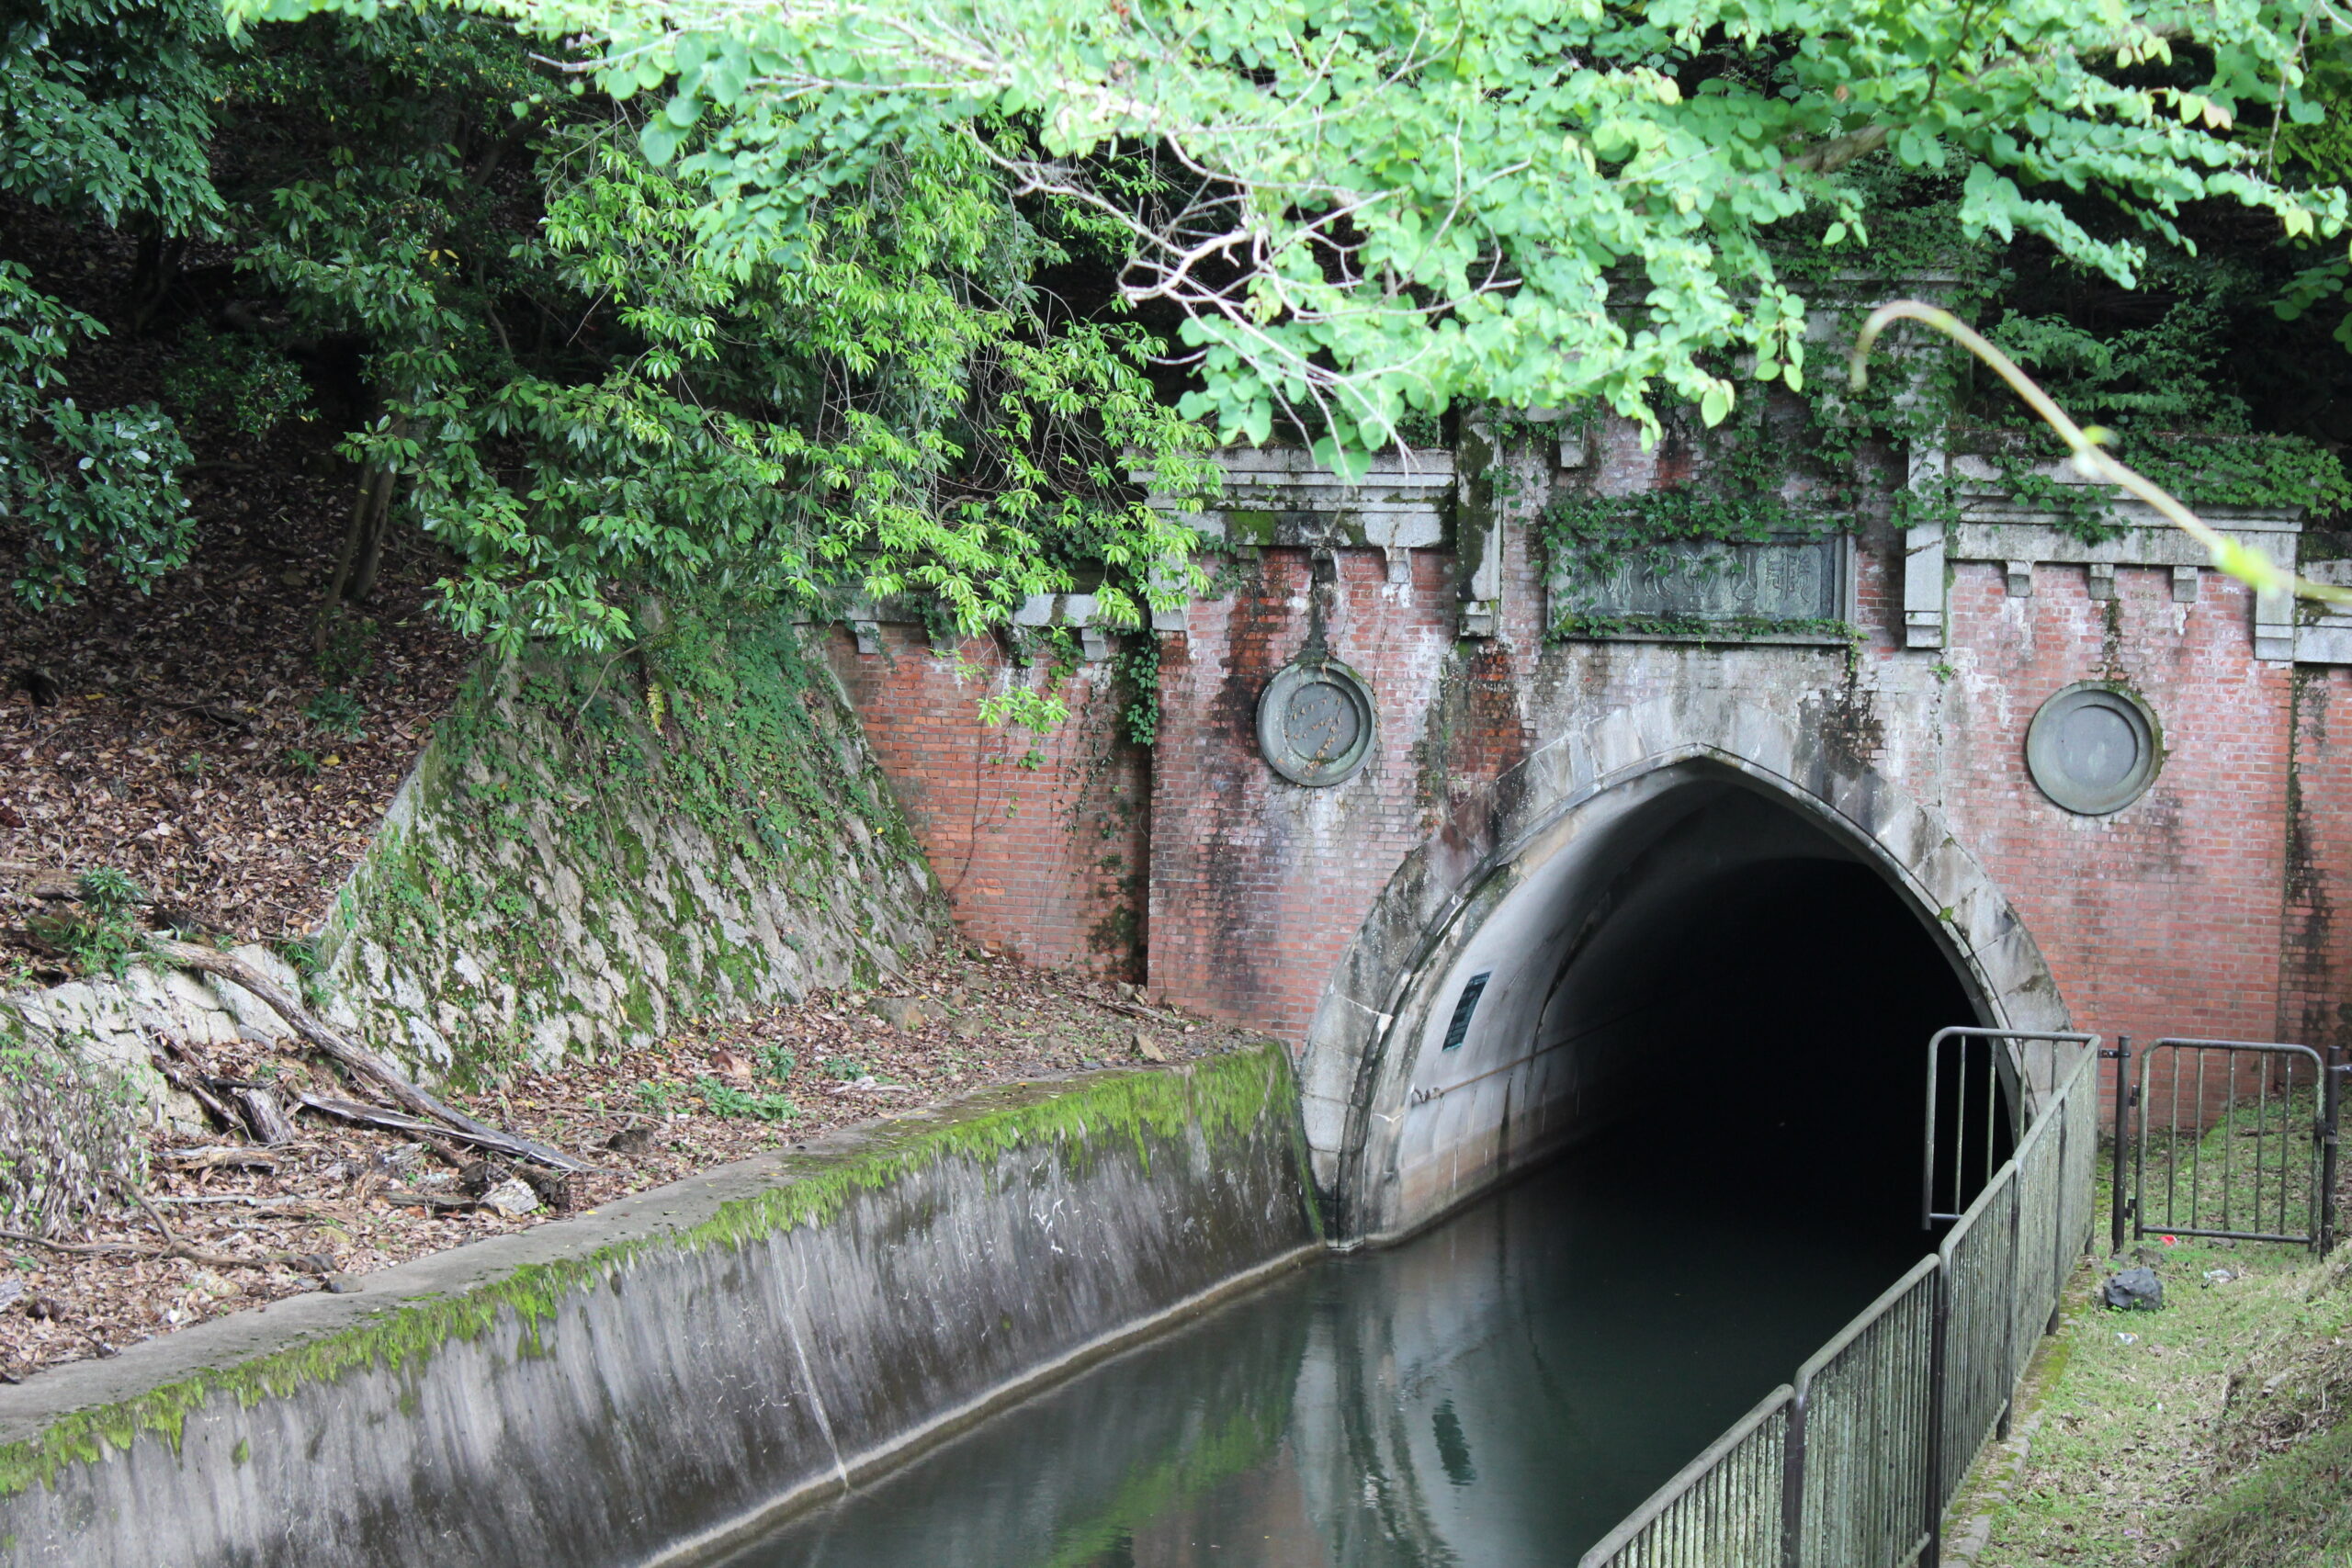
[(2092, 749), (1316, 723)]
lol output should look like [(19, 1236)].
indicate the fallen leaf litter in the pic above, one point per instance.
[(343, 1201)]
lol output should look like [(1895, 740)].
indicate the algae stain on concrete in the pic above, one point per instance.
[(1219, 1100)]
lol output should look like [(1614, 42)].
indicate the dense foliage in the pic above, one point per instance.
[(500, 298), (1370, 209), (859, 298)]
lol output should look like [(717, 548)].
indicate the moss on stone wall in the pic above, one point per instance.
[(593, 848), (1226, 1097)]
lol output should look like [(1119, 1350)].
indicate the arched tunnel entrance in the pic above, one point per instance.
[(1686, 962), (1646, 1123), (1770, 1019)]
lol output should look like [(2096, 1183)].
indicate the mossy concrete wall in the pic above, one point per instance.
[(645, 1383), (590, 849)]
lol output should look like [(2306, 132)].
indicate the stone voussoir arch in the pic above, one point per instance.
[(1440, 890)]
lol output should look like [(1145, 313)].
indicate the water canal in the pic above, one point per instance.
[(1502, 1388)]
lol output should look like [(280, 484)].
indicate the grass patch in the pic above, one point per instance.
[(2294, 1509), (2204, 1435)]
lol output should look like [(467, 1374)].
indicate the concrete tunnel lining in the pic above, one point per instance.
[(1392, 1155), (1578, 956)]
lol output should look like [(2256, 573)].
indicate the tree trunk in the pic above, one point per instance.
[(363, 546), (156, 270), (371, 548)]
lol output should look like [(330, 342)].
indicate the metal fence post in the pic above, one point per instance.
[(2009, 1317), (1793, 1483), (1939, 1348), (2331, 1108), (2058, 1269), (2122, 1054)]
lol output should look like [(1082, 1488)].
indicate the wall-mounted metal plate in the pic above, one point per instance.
[(1316, 722), (2093, 748)]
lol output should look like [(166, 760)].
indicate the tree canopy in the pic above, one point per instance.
[(618, 298), (1371, 207), (535, 359)]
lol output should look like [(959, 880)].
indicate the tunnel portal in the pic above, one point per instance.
[(1689, 961)]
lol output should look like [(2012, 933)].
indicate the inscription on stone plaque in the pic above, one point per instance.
[(1316, 722), (1779, 579), (2092, 747)]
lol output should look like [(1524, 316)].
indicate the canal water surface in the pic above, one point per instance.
[(1500, 1390)]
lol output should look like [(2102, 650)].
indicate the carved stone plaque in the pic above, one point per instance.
[(1790, 579), (2093, 748), (1316, 722)]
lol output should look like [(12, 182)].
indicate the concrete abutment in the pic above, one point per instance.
[(645, 1384)]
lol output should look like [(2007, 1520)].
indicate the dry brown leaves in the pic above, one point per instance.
[(172, 752), (333, 1195)]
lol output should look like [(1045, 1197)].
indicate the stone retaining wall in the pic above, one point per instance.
[(647, 1383)]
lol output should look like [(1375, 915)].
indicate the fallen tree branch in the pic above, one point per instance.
[(264, 1115), (301, 1262), (427, 1201), (1134, 1010), (352, 1054), (203, 707), (214, 1158), (186, 1072), (393, 1121)]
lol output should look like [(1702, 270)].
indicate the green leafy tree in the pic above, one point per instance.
[(1363, 208), (591, 410), (105, 110)]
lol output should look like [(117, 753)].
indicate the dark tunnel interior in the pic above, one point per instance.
[(1771, 1005)]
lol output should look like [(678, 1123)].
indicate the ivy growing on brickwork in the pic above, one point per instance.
[(1812, 463), (1741, 495), (1138, 674)]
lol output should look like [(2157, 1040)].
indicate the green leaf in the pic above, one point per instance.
[(660, 140)]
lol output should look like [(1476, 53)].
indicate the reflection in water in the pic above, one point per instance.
[(1500, 1390)]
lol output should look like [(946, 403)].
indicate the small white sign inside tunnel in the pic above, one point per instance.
[(1458, 1030)]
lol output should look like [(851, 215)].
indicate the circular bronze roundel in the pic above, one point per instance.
[(2093, 748), (1316, 723)]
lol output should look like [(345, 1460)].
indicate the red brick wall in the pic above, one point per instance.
[(1258, 885), (2166, 916), (1040, 843), (2316, 947), (2189, 912)]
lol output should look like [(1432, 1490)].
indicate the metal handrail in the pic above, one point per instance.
[(1929, 1214), (1633, 1541), (1861, 1321), (1684, 1479), (1795, 1511)]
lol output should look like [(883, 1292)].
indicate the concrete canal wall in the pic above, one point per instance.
[(645, 1383)]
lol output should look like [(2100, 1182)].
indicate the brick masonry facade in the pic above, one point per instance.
[(1040, 843), (2213, 905)]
